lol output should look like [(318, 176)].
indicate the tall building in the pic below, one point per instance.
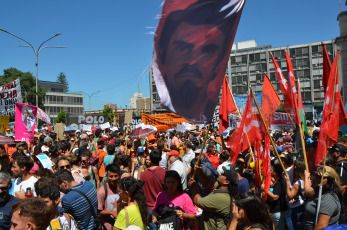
[(342, 43), (133, 100), (58, 99), (248, 62)]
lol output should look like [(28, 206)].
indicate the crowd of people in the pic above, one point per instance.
[(104, 180)]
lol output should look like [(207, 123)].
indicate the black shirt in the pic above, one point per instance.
[(279, 205), (250, 178)]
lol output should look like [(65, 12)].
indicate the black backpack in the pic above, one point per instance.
[(168, 218)]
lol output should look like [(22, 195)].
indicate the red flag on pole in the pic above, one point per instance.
[(227, 106), (326, 67), (288, 100), (270, 100), (266, 166), (325, 130), (258, 149)]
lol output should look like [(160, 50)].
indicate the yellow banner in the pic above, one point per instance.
[(4, 120)]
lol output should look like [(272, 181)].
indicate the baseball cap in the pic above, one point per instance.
[(78, 131), (339, 148), (19, 144), (173, 153), (140, 150), (231, 175)]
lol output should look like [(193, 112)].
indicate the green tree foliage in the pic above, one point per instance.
[(28, 85), (61, 117), (110, 114), (63, 80)]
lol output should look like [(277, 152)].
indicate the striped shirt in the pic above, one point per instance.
[(77, 205)]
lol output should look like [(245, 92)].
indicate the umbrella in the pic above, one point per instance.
[(142, 131), (70, 128), (6, 140)]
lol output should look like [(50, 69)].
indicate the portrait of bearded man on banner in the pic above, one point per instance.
[(191, 50)]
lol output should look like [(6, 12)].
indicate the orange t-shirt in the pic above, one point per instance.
[(102, 155), (10, 150)]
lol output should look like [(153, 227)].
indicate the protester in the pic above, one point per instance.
[(63, 163), (218, 204), (174, 194), (137, 161), (89, 171), (132, 202), (4, 160), (108, 196), (178, 166), (143, 167), (80, 199), (188, 155), (6, 200), (19, 152), (251, 210), (30, 214), (51, 196), (24, 183), (211, 154)]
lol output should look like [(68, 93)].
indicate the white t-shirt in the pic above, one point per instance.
[(20, 185), (299, 199), (179, 167)]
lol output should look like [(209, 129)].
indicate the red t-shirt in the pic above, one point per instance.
[(152, 186), (214, 160)]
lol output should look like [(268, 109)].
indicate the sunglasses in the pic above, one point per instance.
[(65, 167), (84, 161), (4, 188), (240, 162)]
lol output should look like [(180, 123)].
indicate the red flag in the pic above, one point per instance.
[(328, 129), (266, 165), (288, 100), (258, 149), (293, 92), (227, 106), (326, 67), (343, 114), (49, 127), (236, 139), (269, 101)]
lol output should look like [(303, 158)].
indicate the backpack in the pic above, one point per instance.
[(95, 159), (168, 219)]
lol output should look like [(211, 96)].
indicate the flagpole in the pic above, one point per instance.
[(327, 146), (198, 162), (238, 111), (267, 131), (302, 137)]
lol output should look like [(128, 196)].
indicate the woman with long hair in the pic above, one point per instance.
[(330, 207), (252, 211), (296, 192), (174, 194), (146, 164), (132, 204), (212, 155), (76, 165)]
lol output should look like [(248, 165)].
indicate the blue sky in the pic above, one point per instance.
[(109, 42)]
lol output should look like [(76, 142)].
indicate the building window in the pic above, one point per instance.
[(317, 84)]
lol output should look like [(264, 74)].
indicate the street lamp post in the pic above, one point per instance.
[(36, 55), (90, 95)]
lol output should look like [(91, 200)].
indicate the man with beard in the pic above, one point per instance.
[(51, 196), (6, 201)]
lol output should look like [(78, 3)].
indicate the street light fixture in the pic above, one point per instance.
[(90, 95), (36, 55)]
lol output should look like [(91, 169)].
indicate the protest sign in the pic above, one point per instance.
[(77, 121), (25, 122), (44, 159), (87, 128), (181, 128), (9, 95), (169, 119), (59, 130), (281, 120), (43, 116), (128, 117), (4, 120), (105, 126), (241, 101)]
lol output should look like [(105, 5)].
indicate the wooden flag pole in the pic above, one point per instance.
[(267, 131), (238, 111), (302, 137), (327, 146), (198, 162)]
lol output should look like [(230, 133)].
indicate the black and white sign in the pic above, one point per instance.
[(95, 120)]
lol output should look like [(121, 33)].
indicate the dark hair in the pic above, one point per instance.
[(62, 175), (48, 191), (330, 162), (73, 159), (100, 143), (52, 135), (111, 148), (299, 170), (241, 156), (86, 153), (53, 150), (288, 159), (160, 145), (24, 161), (188, 144), (155, 156), (224, 156), (113, 168), (43, 181), (36, 210), (277, 168), (175, 175), (134, 187), (125, 160), (98, 133), (332, 188), (60, 159), (254, 207)]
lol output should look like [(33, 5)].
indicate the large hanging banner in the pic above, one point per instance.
[(169, 119), (25, 122), (79, 121), (9, 95), (4, 120), (43, 116)]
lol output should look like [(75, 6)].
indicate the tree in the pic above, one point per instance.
[(110, 114), (61, 117), (63, 80), (28, 85)]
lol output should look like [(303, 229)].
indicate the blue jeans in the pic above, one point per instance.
[(279, 219), (151, 225), (289, 222), (296, 213)]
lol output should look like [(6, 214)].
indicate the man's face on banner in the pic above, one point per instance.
[(190, 66)]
